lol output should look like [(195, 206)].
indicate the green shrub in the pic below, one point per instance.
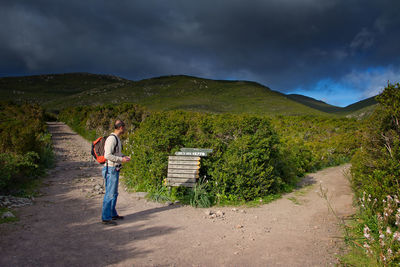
[(244, 164), (253, 156), (25, 145), (247, 169), (314, 142), (14, 167), (199, 197), (375, 235), (46, 153), (21, 127), (159, 194), (94, 121), (374, 239), (376, 166)]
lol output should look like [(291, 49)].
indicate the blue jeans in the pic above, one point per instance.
[(111, 178)]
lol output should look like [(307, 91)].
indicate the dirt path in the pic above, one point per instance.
[(63, 226)]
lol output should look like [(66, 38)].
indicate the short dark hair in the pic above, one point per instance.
[(118, 124)]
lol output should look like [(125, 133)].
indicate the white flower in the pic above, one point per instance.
[(381, 236), (388, 230), (390, 252), (396, 236), (367, 233), (367, 248)]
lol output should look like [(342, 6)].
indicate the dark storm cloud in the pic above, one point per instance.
[(281, 43)]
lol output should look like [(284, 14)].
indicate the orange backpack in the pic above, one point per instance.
[(98, 150)]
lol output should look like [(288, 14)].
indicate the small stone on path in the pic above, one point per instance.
[(7, 214), (219, 213)]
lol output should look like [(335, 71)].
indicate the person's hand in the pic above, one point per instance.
[(126, 159)]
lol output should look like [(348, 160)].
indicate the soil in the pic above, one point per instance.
[(63, 226)]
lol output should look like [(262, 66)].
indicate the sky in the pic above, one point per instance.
[(337, 51)]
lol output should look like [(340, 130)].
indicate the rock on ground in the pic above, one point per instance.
[(7, 214)]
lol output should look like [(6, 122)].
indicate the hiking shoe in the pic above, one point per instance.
[(109, 222), (118, 217)]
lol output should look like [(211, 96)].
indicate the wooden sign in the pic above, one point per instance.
[(206, 150), (183, 170), (200, 154)]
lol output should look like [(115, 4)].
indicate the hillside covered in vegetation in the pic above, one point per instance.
[(59, 91)]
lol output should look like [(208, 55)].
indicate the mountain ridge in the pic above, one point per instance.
[(323, 106), (57, 91)]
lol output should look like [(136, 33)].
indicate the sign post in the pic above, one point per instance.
[(183, 168)]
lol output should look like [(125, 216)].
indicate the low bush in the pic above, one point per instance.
[(94, 121), (314, 142), (200, 197), (374, 236), (14, 167), (376, 166), (253, 156), (24, 143), (375, 233), (245, 162), (21, 127)]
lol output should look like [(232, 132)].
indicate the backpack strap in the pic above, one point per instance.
[(115, 150), (116, 145)]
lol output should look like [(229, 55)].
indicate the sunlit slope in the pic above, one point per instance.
[(58, 91), (189, 93)]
